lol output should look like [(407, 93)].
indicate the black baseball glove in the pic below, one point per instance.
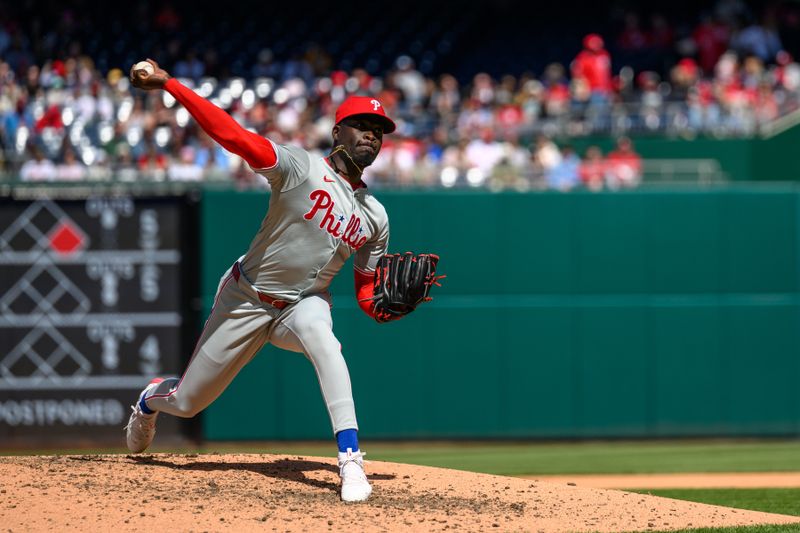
[(402, 282)]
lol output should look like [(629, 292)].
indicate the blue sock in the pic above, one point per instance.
[(143, 406), (347, 438)]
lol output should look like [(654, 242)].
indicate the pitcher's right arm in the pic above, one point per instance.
[(220, 126)]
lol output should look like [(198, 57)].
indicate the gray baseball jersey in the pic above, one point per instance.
[(316, 220)]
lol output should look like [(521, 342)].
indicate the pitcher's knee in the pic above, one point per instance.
[(311, 331)]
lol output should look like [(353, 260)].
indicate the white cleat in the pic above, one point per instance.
[(141, 427), (355, 487)]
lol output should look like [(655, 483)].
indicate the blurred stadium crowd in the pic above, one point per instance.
[(67, 111)]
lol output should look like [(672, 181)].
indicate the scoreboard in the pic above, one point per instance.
[(95, 300)]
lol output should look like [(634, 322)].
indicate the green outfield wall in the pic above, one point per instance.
[(636, 314)]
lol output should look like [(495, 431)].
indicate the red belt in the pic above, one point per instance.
[(267, 299)]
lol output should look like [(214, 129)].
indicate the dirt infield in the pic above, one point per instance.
[(289, 493)]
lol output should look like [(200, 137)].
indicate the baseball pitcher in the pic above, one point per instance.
[(320, 213)]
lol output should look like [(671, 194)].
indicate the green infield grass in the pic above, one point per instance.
[(519, 458), (602, 457), (742, 529), (781, 501)]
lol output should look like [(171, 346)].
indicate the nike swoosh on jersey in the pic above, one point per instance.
[(327, 179)]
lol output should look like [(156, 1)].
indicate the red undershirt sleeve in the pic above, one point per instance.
[(253, 148), (365, 292)]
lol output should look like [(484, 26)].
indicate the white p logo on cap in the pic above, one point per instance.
[(375, 104)]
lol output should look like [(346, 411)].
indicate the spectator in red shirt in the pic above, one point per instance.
[(591, 71), (593, 64), (624, 165)]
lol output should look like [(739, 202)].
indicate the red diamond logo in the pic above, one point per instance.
[(66, 238)]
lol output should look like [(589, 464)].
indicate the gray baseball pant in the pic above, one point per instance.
[(237, 328)]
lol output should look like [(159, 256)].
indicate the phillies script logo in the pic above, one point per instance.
[(333, 224)]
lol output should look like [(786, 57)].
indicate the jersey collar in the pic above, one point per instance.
[(359, 185)]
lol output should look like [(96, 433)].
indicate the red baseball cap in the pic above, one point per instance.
[(364, 105), (593, 42)]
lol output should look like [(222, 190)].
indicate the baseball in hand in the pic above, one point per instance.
[(145, 66)]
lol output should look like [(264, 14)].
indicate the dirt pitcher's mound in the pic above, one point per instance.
[(289, 493)]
